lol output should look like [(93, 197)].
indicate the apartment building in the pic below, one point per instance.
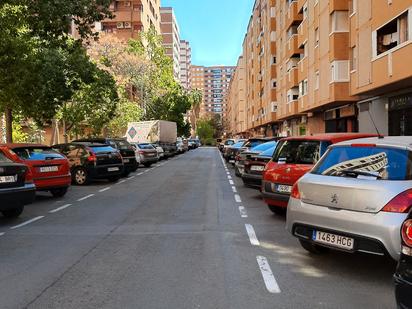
[(171, 37), (236, 114), (131, 17), (380, 70), (185, 64)]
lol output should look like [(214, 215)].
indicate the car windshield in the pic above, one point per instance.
[(229, 142), (268, 153), (263, 147), (380, 162), (37, 153), (253, 143), (123, 145), (145, 146), (3, 158), (103, 148), (297, 152), (237, 145)]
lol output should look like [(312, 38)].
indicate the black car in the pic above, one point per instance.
[(92, 161), (126, 150), (16, 187), (403, 275)]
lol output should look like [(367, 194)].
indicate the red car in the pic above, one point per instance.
[(294, 157), (50, 169)]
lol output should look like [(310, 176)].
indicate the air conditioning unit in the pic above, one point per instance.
[(127, 3), (119, 25), (128, 25)]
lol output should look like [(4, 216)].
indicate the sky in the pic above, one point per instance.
[(215, 29)]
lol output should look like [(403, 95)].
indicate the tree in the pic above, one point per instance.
[(205, 130)]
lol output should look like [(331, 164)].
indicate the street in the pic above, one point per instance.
[(185, 233)]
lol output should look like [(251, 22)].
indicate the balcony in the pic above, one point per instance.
[(292, 47), (292, 108), (303, 32), (303, 103), (336, 41), (338, 5), (292, 78), (293, 16)]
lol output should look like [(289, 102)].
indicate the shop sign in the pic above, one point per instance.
[(400, 102)]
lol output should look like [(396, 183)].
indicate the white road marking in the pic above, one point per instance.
[(228, 172), (105, 189), (234, 189), (1, 234), (85, 198), (252, 235), (243, 212), (121, 181), (130, 178), (60, 208), (229, 177), (237, 198), (140, 174), (27, 222), (268, 277), (231, 182)]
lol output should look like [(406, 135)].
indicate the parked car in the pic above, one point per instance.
[(16, 186), (356, 198), (231, 152), (245, 156), (293, 158), (160, 151), (403, 275), (125, 148), (50, 169), (193, 143), (182, 145), (253, 168), (147, 154), (256, 141), (90, 161), (225, 144)]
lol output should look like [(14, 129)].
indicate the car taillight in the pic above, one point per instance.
[(401, 203), (141, 152), (295, 192), (29, 177), (92, 157), (407, 232)]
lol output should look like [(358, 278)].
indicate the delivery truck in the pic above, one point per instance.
[(159, 132)]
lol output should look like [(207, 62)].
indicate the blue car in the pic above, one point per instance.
[(244, 156)]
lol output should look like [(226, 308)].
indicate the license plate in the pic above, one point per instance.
[(333, 240), (126, 160), (8, 179), (284, 188), (48, 169), (257, 168), (113, 169), (231, 161)]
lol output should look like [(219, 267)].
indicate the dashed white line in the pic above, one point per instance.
[(243, 212), (237, 198), (85, 197), (229, 177), (267, 274), (234, 189), (140, 174), (252, 235), (121, 181), (27, 222), (130, 178), (105, 189), (1, 234), (60, 208), (231, 182)]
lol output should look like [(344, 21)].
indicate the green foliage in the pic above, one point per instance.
[(205, 130)]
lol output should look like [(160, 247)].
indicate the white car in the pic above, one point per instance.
[(160, 151)]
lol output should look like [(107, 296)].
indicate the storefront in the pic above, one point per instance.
[(341, 119), (400, 114)]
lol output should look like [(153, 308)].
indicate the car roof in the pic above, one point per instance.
[(331, 137), (391, 141), (22, 145)]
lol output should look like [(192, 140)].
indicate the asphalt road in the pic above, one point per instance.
[(184, 234)]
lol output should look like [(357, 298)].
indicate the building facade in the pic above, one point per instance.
[(185, 64), (131, 17), (171, 38), (334, 66)]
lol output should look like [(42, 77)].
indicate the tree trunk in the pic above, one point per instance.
[(9, 125), (66, 139)]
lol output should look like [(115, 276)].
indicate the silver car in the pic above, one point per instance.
[(355, 198)]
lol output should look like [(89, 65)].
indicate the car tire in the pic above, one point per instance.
[(312, 248), (237, 173), (147, 164), (125, 173), (58, 192), (80, 176), (113, 178), (13, 213), (280, 211)]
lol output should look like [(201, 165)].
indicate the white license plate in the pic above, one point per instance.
[(8, 179), (48, 169), (284, 188), (126, 160), (231, 161), (257, 168), (113, 169), (333, 240)]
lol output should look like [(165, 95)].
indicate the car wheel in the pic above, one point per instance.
[(147, 164), (80, 176), (237, 173), (59, 192), (126, 173), (312, 248), (13, 213), (277, 210), (113, 178)]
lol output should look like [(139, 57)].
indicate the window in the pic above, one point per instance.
[(274, 60), (297, 152), (316, 37), (305, 11), (339, 70), (303, 87), (316, 80), (339, 21), (391, 35), (293, 94), (353, 58)]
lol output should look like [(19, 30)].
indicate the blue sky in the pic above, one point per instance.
[(214, 28)]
